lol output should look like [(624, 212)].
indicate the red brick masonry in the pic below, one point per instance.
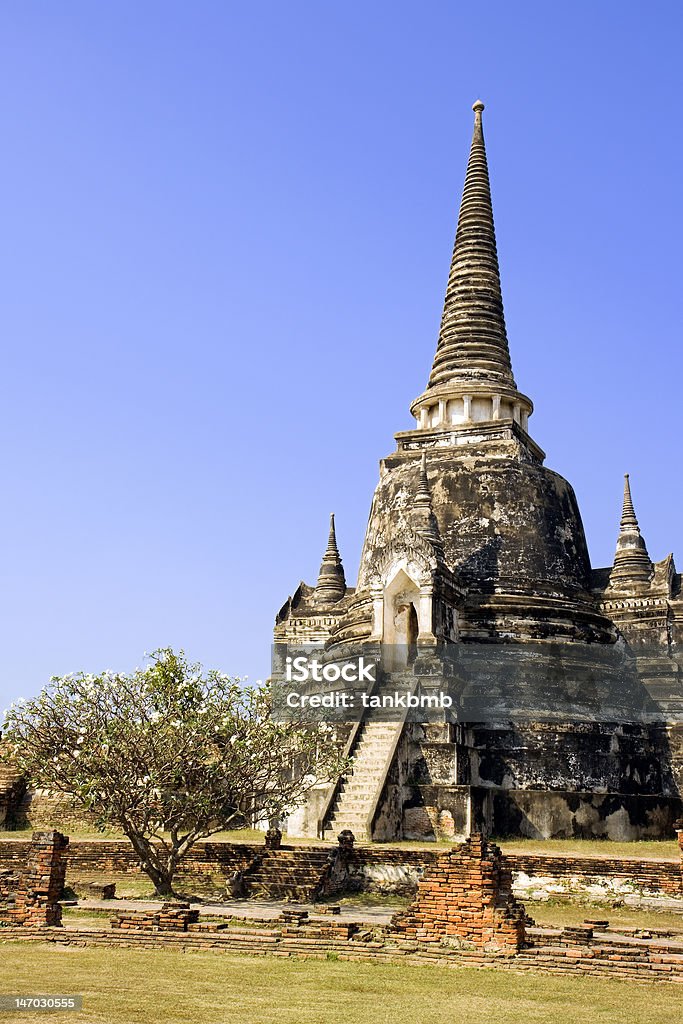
[(35, 900), (596, 950), (548, 952), (209, 859), (465, 899), (171, 917)]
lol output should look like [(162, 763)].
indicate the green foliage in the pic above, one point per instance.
[(170, 754)]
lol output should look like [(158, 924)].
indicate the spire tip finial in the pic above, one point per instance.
[(478, 106)]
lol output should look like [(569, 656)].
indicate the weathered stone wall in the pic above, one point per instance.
[(40, 808), (539, 780), (571, 815), (25, 806), (592, 757)]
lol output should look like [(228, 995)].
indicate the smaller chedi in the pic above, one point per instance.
[(475, 566)]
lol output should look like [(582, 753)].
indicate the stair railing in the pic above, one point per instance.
[(334, 789)]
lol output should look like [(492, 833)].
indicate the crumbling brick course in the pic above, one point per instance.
[(549, 951), (34, 900), (466, 899), (204, 867), (171, 917)]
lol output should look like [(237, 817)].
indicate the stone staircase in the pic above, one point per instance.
[(360, 789), (297, 874)]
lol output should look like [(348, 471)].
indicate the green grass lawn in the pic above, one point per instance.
[(560, 913), (123, 986), (128, 886), (645, 848), (74, 833)]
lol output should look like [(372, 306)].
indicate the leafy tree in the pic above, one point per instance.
[(170, 754)]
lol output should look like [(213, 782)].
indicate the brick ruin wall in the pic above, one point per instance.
[(170, 917), (30, 896), (366, 869), (465, 899), (25, 806), (549, 951), (464, 915), (373, 869)]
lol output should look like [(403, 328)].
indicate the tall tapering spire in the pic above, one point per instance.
[(631, 561), (472, 337), (331, 585), (471, 382)]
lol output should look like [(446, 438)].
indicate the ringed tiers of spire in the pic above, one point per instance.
[(471, 379), (632, 563)]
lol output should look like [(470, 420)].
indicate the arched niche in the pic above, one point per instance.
[(401, 624)]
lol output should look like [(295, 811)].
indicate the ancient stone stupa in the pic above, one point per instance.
[(476, 565)]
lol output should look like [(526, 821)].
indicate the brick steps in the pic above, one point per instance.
[(289, 874)]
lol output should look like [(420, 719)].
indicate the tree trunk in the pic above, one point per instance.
[(164, 887), (154, 866)]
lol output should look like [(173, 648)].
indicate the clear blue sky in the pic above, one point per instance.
[(224, 240)]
